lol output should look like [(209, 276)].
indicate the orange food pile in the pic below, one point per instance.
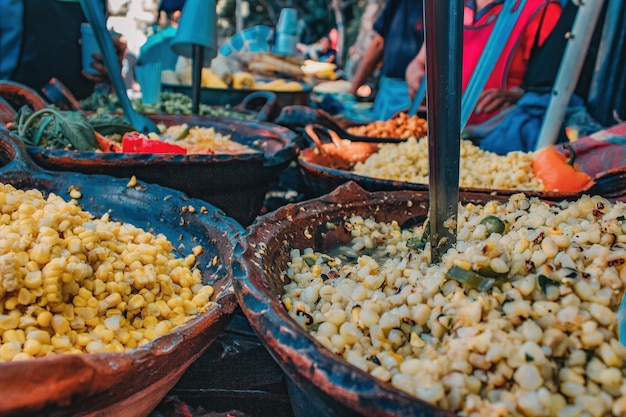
[(401, 126)]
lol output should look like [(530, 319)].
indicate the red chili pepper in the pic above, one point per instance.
[(108, 145), (134, 142)]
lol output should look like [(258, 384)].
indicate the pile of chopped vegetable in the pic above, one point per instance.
[(169, 103)]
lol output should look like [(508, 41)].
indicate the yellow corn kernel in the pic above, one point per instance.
[(32, 347), (57, 308), (11, 303), (46, 349), (150, 322), (74, 193), (37, 292), (93, 303), (150, 334), (174, 302), (60, 342), (178, 311), (33, 279), (24, 297), (40, 253), (163, 308), (163, 327), (92, 322), (83, 339), (27, 321), (115, 347), (79, 301), (41, 336), (77, 323), (190, 307), (68, 312), (9, 350), (60, 324), (95, 347), (73, 244), (123, 335), (84, 293), (8, 322), (200, 299), (115, 312), (136, 302), (22, 356), (14, 335), (113, 300), (186, 294)]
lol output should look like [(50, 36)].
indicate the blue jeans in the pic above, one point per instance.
[(392, 96)]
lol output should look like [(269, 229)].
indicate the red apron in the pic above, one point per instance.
[(475, 37)]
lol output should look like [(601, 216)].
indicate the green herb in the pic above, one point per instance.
[(544, 281), (528, 357), (56, 129), (108, 124), (420, 243), (309, 261), (470, 279), (314, 326)]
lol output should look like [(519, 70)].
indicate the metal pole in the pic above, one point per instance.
[(196, 77), (443, 22), (238, 17), (569, 71)]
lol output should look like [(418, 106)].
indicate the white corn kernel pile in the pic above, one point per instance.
[(543, 343), (72, 283), (408, 161), (203, 139)]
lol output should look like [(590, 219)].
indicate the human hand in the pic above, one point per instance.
[(120, 44), (414, 75), (494, 99)]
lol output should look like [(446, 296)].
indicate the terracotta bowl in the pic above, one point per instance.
[(320, 383), (325, 167), (234, 183), (132, 383)]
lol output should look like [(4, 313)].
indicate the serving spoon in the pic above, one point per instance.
[(95, 17)]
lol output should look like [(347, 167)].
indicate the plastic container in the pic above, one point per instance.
[(288, 21), (286, 44)]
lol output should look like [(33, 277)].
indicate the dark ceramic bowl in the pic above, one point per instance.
[(326, 167), (234, 96), (234, 183), (321, 384), (132, 383)]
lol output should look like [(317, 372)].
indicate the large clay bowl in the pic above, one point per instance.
[(132, 383), (234, 183), (233, 96), (323, 384), (323, 171)]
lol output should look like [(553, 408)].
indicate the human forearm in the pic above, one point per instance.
[(371, 58), (415, 72)]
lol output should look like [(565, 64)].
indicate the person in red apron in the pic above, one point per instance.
[(503, 88)]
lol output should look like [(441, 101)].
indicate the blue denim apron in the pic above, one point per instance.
[(392, 96), (10, 35)]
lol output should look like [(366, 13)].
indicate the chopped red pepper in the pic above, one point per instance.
[(134, 142), (106, 144)]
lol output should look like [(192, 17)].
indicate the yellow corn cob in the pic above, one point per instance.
[(243, 80)]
